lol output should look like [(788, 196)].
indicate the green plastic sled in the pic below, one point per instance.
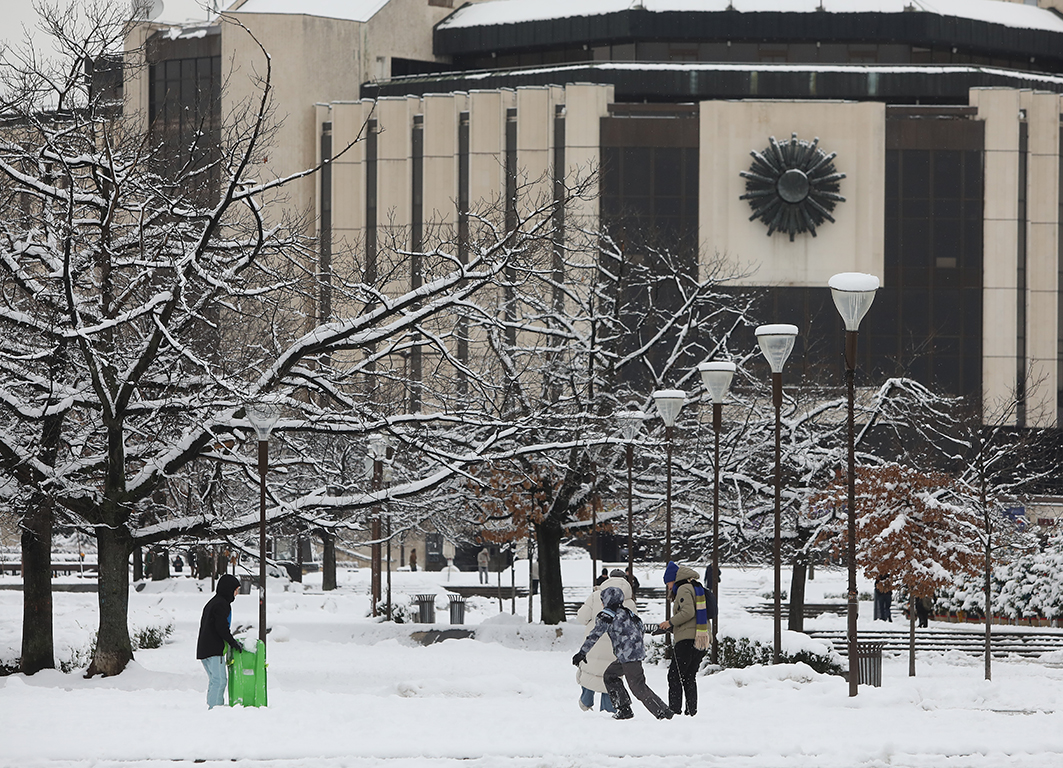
[(247, 676)]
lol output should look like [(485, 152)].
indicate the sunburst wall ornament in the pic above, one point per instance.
[(792, 187)]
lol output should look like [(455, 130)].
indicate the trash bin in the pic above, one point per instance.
[(247, 676), (457, 608), (869, 664), (246, 582), (426, 608)]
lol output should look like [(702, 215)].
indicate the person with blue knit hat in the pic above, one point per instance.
[(690, 635)]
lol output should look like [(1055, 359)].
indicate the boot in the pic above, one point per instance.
[(623, 713)]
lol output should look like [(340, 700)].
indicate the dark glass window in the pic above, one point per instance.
[(933, 252)]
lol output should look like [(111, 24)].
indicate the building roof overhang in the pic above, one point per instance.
[(985, 26)]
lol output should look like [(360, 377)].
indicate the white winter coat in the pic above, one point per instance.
[(589, 674)]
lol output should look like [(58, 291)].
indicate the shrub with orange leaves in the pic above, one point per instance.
[(909, 530)]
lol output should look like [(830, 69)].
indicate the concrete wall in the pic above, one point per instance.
[(311, 60), (856, 131), (1003, 110)]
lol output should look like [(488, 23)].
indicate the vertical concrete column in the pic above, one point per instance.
[(487, 118), (348, 174), (585, 106), (1042, 257), (135, 85), (534, 141), (394, 116), (999, 108), (441, 164)]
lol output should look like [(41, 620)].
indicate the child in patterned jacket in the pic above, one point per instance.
[(625, 632)]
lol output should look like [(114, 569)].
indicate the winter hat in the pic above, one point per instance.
[(616, 573), (612, 597), (670, 572)]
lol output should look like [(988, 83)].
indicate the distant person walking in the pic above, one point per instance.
[(413, 559), (483, 560), (625, 633), (214, 633), (883, 599)]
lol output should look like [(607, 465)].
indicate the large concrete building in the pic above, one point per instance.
[(917, 141)]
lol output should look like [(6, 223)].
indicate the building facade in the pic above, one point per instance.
[(939, 123)]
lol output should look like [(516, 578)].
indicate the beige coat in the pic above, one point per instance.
[(684, 612), (589, 674)]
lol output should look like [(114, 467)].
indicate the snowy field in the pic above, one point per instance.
[(345, 691)]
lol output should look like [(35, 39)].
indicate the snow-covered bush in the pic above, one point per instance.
[(736, 653), (1030, 586)]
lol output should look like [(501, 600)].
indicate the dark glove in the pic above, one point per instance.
[(579, 658), (607, 616)]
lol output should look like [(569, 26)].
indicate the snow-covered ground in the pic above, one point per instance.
[(345, 691)]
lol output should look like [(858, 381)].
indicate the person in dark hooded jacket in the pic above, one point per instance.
[(625, 632), (214, 633)]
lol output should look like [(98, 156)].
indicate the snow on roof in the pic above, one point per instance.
[(348, 10), (1001, 12), (181, 11)]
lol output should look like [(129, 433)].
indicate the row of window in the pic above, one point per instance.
[(755, 52)]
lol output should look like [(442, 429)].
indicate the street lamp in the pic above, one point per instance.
[(853, 293), (777, 342), (716, 376), (378, 453), (263, 416), (630, 427), (669, 404)]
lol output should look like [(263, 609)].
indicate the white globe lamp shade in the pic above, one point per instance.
[(630, 423), (669, 404), (263, 416), (853, 293), (378, 447), (716, 376), (776, 342)]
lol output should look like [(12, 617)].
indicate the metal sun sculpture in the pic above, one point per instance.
[(792, 187)]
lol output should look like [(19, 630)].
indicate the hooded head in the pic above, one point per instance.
[(612, 598), (670, 572), (227, 586)]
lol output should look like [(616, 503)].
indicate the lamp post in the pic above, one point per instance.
[(630, 427), (669, 404), (777, 342), (263, 417), (378, 452), (716, 376), (853, 293)]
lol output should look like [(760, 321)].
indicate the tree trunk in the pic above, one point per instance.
[(911, 633), (328, 561), (552, 599), (113, 647), (38, 651), (138, 564), (796, 622), (160, 565)]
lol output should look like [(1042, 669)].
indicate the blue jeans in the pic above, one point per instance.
[(587, 698), (216, 680)]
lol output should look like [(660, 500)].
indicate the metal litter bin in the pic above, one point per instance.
[(869, 663), (426, 608), (246, 582), (457, 608)]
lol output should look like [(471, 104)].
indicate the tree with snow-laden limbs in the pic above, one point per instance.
[(148, 293), (912, 531)]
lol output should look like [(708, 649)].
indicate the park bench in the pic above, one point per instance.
[(1004, 642)]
